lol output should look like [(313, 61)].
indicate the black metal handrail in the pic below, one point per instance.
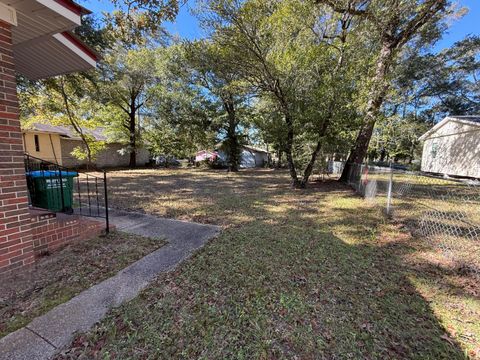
[(66, 190)]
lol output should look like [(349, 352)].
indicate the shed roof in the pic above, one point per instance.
[(465, 119), (255, 149), (247, 147)]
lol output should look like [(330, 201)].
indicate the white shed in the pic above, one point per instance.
[(250, 157), (253, 157), (452, 147)]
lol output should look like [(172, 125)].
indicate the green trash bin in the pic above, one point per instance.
[(46, 192)]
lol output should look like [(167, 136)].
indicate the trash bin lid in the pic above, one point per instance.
[(51, 173)]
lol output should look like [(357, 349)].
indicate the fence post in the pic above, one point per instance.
[(62, 195), (107, 221), (389, 193)]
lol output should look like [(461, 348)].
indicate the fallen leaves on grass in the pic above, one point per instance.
[(56, 278), (308, 274)]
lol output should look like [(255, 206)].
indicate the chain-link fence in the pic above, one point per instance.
[(444, 211)]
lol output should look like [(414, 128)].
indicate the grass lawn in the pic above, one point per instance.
[(57, 278), (296, 274)]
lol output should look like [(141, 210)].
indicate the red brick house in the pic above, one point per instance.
[(35, 42)]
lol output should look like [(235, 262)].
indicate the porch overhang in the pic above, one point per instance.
[(54, 55), (42, 44)]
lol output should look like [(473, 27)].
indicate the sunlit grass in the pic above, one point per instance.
[(308, 274)]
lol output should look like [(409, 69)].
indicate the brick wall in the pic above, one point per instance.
[(16, 246), (53, 231), (106, 158)]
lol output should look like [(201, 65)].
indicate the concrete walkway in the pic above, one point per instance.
[(55, 330)]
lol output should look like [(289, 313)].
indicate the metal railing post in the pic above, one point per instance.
[(107, 221), (27, 162), (88, 197), (79, 195), (389, 193), (61, 189), (54, 176)]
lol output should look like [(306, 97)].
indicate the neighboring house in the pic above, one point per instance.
[(250, 157), (56, 143), (203, 155), (452, 147)]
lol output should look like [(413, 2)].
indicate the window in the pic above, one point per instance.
[(434, 150), (37, 143)]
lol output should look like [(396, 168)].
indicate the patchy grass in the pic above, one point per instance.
[(205, 196), (306, 274), (57, 278)]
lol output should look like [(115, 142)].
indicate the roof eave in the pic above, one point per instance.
[(443, 123), (73, 6), (80, 44)]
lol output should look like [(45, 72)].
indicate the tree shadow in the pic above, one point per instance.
[(369, 306), (298, 277)]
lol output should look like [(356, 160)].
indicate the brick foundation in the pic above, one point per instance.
[(51, 231)]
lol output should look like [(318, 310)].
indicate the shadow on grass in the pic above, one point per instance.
[(303, 277)]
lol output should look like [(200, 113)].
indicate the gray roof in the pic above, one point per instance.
[(255, 149), (67, 131), (247, 147), (471, 118)]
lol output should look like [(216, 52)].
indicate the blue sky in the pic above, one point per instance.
[(187, 26)]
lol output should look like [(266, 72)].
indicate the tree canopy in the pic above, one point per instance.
[(350, 79)]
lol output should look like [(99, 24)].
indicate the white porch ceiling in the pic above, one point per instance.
[(40, 18), (41, 46), (54, 55)]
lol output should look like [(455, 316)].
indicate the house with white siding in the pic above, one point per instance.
[(452, 147)]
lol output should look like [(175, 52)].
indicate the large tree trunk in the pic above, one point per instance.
[(311, 163), (396, 31), (289, 150), (376, 98), (233, 143), (279, 158), (132, 140), (234, 153)]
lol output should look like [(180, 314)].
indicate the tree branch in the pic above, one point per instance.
[(429, 10)]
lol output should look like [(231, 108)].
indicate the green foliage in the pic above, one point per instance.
[(301, 77), (426, 88), (436, 85), (296, 57), (210, 72), (67, 101), (136, 23), (179, 117), (126, 81), (396, 138)]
